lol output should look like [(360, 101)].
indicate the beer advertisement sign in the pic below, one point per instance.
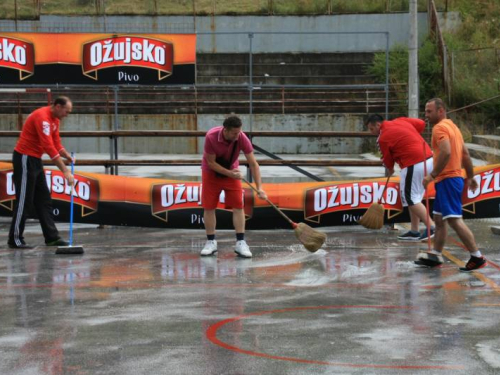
[(80, 58)]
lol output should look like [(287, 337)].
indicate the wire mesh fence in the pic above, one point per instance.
[(32, 9)]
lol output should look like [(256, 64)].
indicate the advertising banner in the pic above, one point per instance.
[(79, 58), (146, 202)]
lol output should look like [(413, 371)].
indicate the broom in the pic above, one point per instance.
[(420, 261), (374, 216), (310, 238), (70, 250), (427, 217)]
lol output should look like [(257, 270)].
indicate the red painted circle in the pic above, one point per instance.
[(211, 334)]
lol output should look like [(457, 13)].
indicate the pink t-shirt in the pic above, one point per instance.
[(215, 144)]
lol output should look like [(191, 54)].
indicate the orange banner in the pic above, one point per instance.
[(118, 200), (78, 57)]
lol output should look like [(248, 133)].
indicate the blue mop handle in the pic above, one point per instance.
[(71, 204)]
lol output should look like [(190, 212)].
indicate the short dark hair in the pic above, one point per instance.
[(439, 103), (232, 122), (61, 100), (373, 119)]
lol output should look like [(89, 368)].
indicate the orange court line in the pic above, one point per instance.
[(211, 334)]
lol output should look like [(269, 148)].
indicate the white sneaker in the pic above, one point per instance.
[(242, 249), (210, 248)]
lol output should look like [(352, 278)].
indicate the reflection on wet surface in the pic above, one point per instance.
[(142, 301)]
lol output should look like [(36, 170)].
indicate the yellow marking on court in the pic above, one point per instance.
[(478, 275), (493, 285)]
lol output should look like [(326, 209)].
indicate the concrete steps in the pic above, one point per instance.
[(233, 69), (489, 154), (487, 140), (285, 69)]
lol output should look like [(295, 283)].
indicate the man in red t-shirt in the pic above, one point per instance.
[(400, 142), (220, 173), (40, 134)]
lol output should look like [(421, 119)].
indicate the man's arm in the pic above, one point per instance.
[(469, 169), (255, 169), (387, 158), (62, 167), (66, 155), (441, 162)]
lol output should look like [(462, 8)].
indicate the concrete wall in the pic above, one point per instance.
[(395, 24), (189, 145)]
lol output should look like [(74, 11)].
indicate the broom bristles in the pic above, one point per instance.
[(373, 217), (310, 238)]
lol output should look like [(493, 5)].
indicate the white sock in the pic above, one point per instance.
[(435, 252), (476, 254)]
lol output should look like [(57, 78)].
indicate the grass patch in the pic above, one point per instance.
[(27, 8)]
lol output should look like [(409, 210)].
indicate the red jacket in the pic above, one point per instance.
[(400, 142), (40, 134)]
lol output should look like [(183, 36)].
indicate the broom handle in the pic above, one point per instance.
[(383, 190), (427, 216), (71, 203), (272, 204)]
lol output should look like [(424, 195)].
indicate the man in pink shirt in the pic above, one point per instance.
[(220, 173)]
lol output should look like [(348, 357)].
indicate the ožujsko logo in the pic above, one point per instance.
[(17, 54), (85, 191), (128, 51), (169, 197), (489, 188), (350, 196)]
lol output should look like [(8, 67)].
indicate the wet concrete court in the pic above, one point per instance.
[(142, 301)]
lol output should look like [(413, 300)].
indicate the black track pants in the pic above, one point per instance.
[(32, 196)]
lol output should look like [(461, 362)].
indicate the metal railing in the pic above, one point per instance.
[(33, 9)]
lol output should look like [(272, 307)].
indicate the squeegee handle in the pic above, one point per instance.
[(272, 204), (71, 204)]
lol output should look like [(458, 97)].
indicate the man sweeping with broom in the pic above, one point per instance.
[(220, 173), (400, 142)]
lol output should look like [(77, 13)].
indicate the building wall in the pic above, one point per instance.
[(193, 145), (238, 27)]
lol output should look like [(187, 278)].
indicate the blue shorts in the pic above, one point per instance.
[(448, 201)]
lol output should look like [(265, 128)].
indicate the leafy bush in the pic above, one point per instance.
[(429, 68)]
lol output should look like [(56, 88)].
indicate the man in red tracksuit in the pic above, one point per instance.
[(400, 142), (40, 135)]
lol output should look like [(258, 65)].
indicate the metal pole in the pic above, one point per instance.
[(413, 62), (386, 75), (115, 127), (250, 80), (15, 13), (250, 93)]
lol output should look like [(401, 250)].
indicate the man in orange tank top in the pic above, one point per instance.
[(450, 155)]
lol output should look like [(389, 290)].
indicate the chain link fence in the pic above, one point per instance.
[(32, 9)]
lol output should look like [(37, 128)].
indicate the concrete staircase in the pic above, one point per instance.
[(485, 147), (285, 68), (232, 73)]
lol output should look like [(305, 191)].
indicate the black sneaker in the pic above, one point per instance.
[(21, 246), (423, 235), (474, 263), (410, 236), (58, 242), (429, 259)]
